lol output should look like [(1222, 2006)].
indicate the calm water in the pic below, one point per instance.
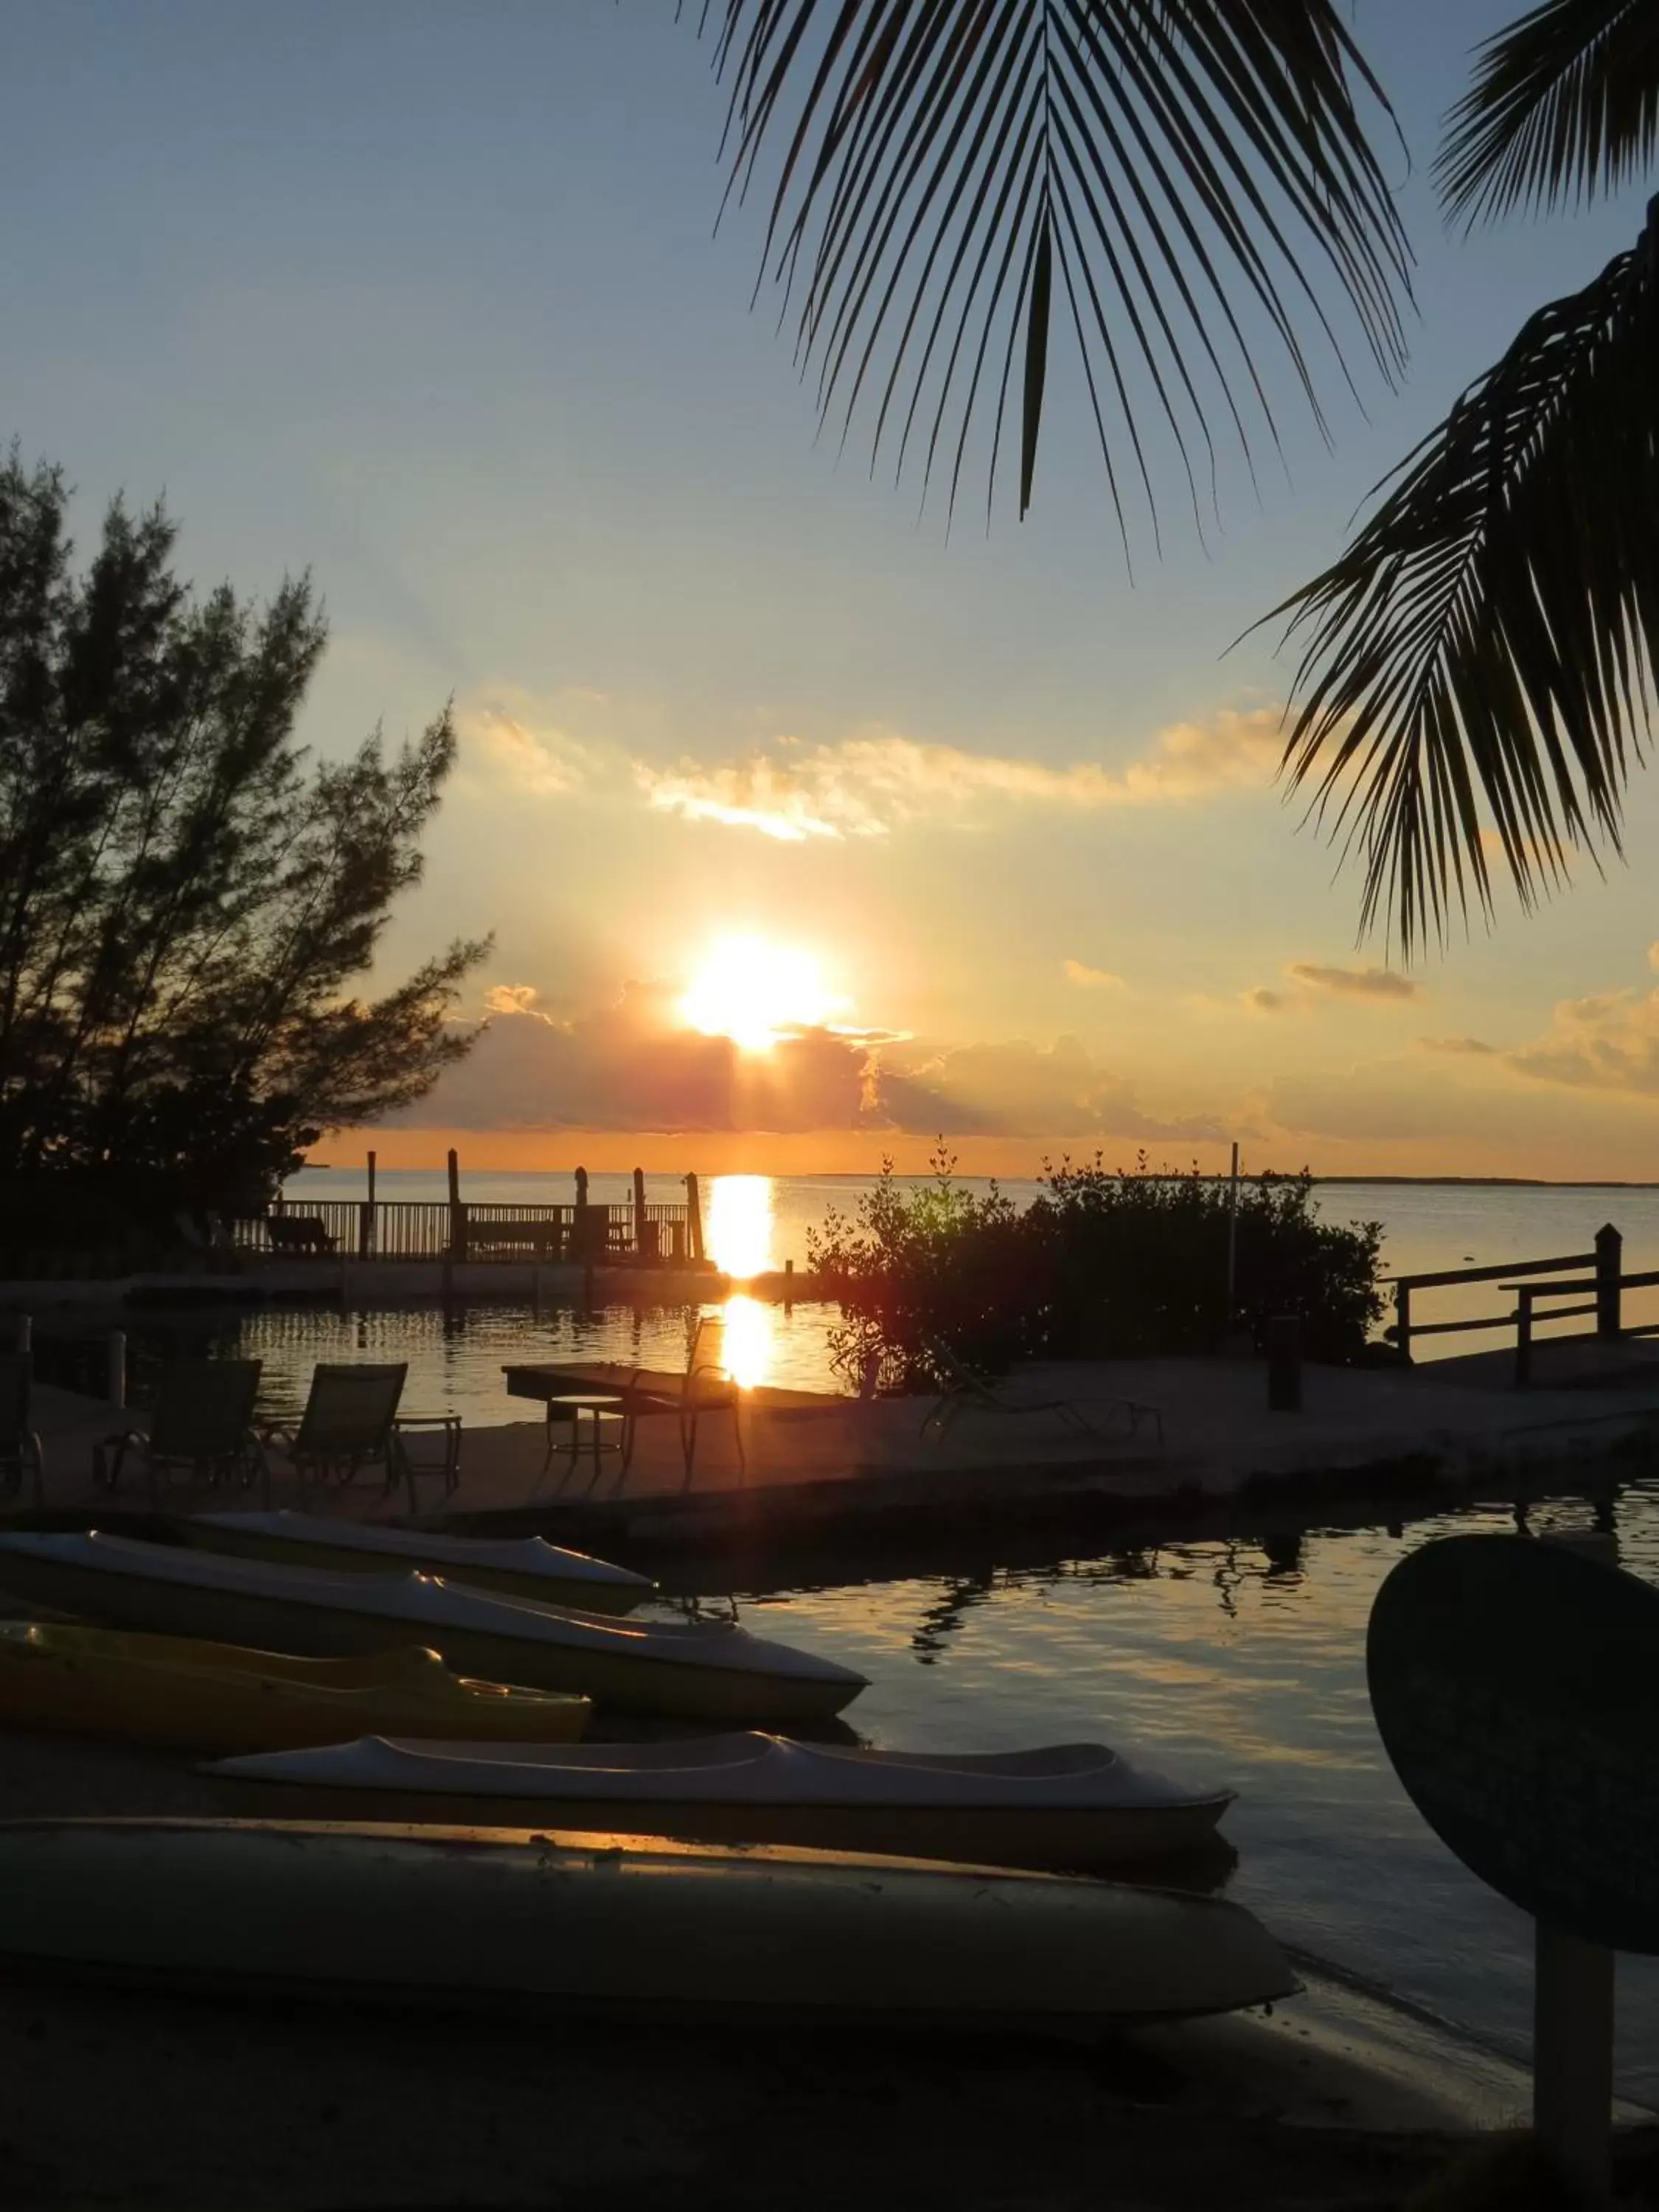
[(1231, 1662), (1218, 1660), (756, 1223)]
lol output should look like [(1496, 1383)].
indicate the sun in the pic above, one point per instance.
[(756, 992)]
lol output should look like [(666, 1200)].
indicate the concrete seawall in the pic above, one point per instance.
[(396, 1282)]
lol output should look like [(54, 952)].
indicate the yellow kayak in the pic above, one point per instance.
[(180, 1694)]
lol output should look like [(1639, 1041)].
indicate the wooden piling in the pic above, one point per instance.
[(639, 1214), (457, 1212), (694, 1218), (1609, 1266)]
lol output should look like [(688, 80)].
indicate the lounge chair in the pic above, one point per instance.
[(962, 1391), (709, 1386), (348, 1423), (20, 1447), (202, 1429)]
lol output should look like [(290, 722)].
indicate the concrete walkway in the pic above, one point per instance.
[(826, 1468)]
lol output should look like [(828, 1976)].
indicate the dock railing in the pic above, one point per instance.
[(432, 1229), (1595, 1278)]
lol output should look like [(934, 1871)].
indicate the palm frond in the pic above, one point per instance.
[(1564, 105), (1171, 171), (1481, 660)]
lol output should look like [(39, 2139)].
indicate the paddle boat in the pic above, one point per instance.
[(698, 1670), (589, 1926), (1070, 1806), (179, 1694), (524, 1566)]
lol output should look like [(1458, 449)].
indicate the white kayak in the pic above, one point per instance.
[(525, 1566), (627, 1924), (1070, 1806), (702, 1670)]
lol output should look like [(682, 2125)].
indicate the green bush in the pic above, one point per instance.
[(1104, 1264)]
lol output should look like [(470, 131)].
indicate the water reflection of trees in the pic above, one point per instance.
[(1272, 1563), (1275, 1562), (943, 1618)]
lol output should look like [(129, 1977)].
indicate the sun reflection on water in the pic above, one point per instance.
[(749, 1333), (739, 1231)]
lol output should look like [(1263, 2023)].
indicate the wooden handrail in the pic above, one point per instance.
[(1490, 1274), (1607, 1283)]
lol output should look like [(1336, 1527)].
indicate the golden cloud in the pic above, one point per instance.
[(1371, 982), (869, 785), (1607, 1042), (1089, 979), (543, 760)]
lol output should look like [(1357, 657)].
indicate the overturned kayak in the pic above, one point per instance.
[(697, 1670), (179, 1694), (526, 1567), (621, 1923), (1071, 1805)]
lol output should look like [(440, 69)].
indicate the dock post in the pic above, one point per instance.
[(1285, 1363), (365, 1217), (115, 1388), (1609, 1266), (1523, 1337), (457, 1212), (1403, 1319), (694, 1218), (639, 1213)]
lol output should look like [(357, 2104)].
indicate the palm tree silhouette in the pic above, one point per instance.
[(1191, 185)]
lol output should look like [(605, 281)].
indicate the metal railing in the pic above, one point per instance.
[(433, 1229)]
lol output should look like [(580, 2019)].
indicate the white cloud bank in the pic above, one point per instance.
[(867, 785)]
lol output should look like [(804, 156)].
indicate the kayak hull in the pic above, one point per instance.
[(312, 1612), (589, 1593), (178, 1693), (1066, 1839), (586, 1925)]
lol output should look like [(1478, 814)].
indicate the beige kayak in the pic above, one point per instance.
[(698, 1670), (526, 1567), (625, 1923), (1070, 1806), (180, 1693)]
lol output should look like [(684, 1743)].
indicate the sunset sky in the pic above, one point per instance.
[(807, 829)]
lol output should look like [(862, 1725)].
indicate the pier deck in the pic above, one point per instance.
[(824, 1470)]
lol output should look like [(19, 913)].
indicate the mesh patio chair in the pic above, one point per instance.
[(348, 1423), (961, 1392), (709, 1386), (201, 1430), (21, 1455), (425, 1443)]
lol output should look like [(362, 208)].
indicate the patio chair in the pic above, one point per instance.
[(425, 1443), (20, 1447), (709, 1386), (201, 1430), (962, 1391), (348, 1423)]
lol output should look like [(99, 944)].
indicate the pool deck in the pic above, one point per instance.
[(824, 1471)]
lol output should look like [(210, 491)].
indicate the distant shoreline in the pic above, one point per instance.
[(1216, 1175), (1468, 1182)]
